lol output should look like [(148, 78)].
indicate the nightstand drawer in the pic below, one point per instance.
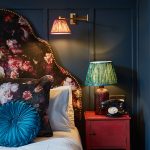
[(112, 133), (104, 132)]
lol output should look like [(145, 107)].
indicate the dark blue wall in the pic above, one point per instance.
[(110, 34), (144, 73)]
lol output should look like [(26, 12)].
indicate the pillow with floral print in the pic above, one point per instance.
[(34, 91)]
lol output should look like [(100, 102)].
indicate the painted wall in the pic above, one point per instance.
[(144, 73), (109, 35)]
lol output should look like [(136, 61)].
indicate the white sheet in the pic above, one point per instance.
[(60, 141)]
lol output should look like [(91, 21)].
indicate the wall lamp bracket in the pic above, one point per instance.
[(74, 18)]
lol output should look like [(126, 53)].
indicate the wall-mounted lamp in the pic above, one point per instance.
[(60, 25)]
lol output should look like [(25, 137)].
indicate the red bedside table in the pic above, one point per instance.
[(104, 132)]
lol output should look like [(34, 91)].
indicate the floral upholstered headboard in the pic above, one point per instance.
[(23, 55)]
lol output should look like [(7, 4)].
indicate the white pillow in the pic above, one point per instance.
[(61, 113)]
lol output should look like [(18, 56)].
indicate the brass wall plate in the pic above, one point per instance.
[(73, 21), (74, 18)]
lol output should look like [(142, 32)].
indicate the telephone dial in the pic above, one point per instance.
[(113, 107)]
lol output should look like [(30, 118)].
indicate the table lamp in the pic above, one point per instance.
[(100, 73)]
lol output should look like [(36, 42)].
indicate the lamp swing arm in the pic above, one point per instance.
[(80, 18)]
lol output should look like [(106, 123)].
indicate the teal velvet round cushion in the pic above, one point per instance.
[(19, 123)]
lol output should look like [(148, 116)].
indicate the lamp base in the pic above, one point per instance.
[(101, 94)]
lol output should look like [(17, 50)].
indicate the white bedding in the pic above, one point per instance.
[(59, 141)]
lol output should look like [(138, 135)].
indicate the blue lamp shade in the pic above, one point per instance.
[(100, 73)]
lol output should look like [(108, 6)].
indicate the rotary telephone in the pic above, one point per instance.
[(113, 107)]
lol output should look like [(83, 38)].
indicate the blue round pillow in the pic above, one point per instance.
[(19, 123)]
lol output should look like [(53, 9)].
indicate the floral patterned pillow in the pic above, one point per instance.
[(34, 91)]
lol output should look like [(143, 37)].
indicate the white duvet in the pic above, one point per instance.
[(60, 141)]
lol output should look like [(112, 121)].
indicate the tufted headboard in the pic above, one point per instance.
[(23, 55)]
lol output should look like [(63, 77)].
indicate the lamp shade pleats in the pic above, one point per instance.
[(100, 73), (60, 26)]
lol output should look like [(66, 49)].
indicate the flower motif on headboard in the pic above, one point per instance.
[(23, 55)]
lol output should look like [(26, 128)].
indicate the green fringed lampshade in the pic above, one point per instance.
[(100, 73)]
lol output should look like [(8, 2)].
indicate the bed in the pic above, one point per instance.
[(24, 55), (59, 141)]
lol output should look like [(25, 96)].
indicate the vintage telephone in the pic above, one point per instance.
[(113, 107)]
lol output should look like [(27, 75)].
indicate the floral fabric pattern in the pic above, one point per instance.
[(23, 55), (7, 91), (32, 91), (27, 95)]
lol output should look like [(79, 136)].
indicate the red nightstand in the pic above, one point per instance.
[(106, 132)]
